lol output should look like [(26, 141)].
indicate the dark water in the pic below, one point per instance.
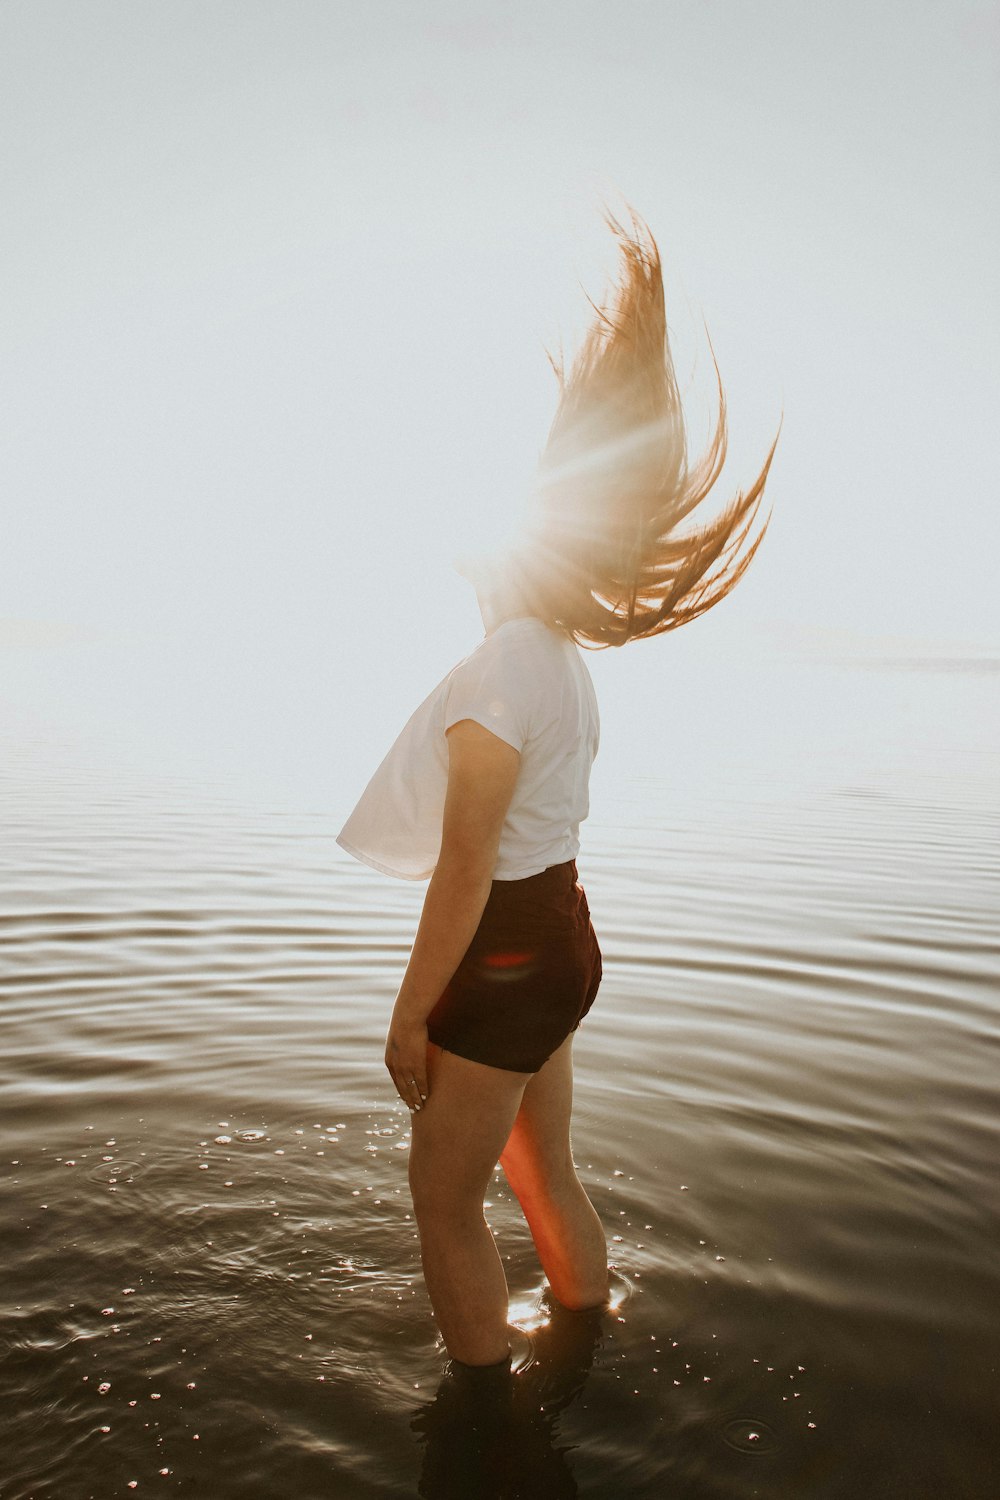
[(787, 1115)]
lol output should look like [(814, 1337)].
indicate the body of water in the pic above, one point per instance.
[(787, 1116)]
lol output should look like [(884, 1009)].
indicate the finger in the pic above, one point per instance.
[(415, 1076), (414, 1094), (410, 1079), (416, 1084), (407, 1090)]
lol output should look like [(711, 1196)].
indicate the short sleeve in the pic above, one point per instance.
[(493, 689)]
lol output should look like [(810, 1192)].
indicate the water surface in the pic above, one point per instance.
[(786, 1115)]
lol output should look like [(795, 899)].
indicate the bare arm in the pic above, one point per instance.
[(482, 772)]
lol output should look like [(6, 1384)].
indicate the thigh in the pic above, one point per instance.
[(458, 1134)]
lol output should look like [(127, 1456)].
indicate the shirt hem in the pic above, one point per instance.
[(376, 864), (536, 869)]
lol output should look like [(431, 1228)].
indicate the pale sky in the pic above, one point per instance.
[(278, 278)]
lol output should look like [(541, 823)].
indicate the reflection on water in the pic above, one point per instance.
[(786, 1114), (500, 1437)]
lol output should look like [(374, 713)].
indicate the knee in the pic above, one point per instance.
[(440, 1193), (535, 1179)]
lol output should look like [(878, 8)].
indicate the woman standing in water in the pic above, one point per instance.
[(484, 792)]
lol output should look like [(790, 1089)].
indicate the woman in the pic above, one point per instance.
[(484, 792)]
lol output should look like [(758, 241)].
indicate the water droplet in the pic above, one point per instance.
[(104, 1387), (106, 1312), (154, 1395), (247, 1137), (223, 1140), (748, 1436)]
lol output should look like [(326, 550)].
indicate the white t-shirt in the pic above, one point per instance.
[(529, 685)]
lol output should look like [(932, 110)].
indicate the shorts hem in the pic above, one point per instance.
[(456, 1049)]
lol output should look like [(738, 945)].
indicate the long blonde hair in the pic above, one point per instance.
[(604, 560)]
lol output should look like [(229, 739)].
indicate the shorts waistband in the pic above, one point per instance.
[(555, 877)]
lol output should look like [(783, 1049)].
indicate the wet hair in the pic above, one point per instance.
[(605, 557)]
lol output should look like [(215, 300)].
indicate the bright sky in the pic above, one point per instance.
[(278, 279)]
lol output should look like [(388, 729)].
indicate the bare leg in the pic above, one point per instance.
[(538, 1162), (456, 1141)]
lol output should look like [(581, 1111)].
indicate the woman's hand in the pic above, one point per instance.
[(406, 1059)]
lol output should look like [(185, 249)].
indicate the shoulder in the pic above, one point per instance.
[(509, 683), (522, 639), (524, 654)]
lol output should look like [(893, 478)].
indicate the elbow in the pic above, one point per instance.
[(467, 865)]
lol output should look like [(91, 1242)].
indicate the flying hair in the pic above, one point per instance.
[(605, 557)]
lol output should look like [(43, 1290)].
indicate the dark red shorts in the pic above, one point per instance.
[(529, 976)]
